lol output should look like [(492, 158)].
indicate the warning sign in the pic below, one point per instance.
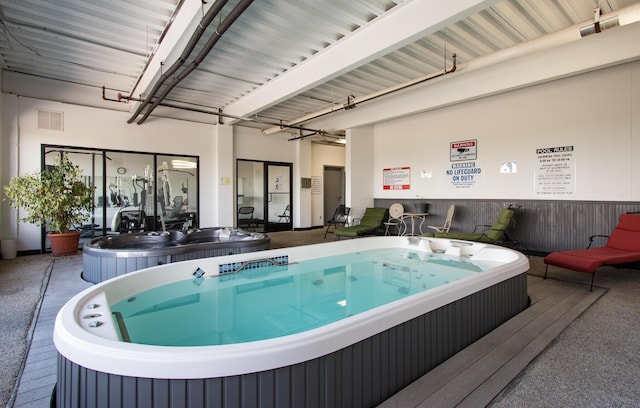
[(464, 150), (464, 175)]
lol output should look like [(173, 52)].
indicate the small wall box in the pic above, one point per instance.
[(305, 182)]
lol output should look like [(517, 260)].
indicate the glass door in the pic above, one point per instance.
[(278, 181), (263, 201), (250, 195)]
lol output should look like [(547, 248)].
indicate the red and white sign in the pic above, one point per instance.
[(396, 178), (464, 150)]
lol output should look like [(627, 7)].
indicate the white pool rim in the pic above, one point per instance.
[(103, 351)]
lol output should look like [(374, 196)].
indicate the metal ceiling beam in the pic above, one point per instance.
[(403, 24), (510, 69), (175, 40)]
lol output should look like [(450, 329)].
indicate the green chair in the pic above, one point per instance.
[(370, 222), (491, 234)]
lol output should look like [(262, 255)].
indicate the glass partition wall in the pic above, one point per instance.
[(127, 184)]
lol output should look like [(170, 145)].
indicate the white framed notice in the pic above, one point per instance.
[(396, 178), (556, 172), (316, 185)]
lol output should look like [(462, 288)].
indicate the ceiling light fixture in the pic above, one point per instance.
[(183, 164)]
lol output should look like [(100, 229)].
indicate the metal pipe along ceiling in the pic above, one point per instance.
[(125, 99), (352, 101), (220, 30), (628, 15), (193, 41)]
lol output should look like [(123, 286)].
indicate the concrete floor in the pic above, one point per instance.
[(595, 362)]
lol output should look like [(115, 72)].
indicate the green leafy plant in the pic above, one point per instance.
[(57, 198)]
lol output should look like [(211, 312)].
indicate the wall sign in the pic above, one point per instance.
[(316, 185), (464, 175), (509, 167), (396, 178), (464, 150), (555, 175)]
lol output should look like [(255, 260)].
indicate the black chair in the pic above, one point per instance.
[(286, 214), (131, 221), (245, 217), (340, 217)]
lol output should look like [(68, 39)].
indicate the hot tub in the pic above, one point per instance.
[(357, 361), (114, 255)]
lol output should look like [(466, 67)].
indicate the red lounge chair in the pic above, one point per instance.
[(623, 246)]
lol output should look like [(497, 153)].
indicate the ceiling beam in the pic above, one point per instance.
[(477, 80), (403, 24), (174, 42)]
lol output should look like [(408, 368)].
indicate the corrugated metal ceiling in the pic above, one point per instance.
[(88, 42), (109, 43)]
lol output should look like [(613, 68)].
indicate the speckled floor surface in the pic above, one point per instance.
[(595, 362)]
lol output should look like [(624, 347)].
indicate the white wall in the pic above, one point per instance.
[(251, 144), (596, 112), (634, 89), (216, 146), (99, 128), (308, 160)]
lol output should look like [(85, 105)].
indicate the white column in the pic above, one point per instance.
[(222, 198), (359, 170), (302, 196)]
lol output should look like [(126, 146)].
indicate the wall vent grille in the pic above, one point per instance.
[(50, 120)]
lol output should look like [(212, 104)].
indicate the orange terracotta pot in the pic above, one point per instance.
[(64, 244)]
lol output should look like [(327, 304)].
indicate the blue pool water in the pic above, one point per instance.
[(274, 301)]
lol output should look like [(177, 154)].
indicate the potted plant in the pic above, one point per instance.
[(58, 199)]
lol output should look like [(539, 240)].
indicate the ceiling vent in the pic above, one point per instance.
[(50, 120)]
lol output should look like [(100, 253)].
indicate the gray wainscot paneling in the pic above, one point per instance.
[(540, 226)]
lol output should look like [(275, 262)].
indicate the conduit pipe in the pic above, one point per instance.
[(125, 99), (599, 24), (220, 30), (193, 41), (255, 120), (570, 34), (625, 16), (352, 101)]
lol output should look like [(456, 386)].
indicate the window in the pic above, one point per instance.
[(127, 184)]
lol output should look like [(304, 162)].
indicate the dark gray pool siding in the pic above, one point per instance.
[(361, 375), (100, 264)]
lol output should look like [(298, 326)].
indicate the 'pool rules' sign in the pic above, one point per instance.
[(555, 175)]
